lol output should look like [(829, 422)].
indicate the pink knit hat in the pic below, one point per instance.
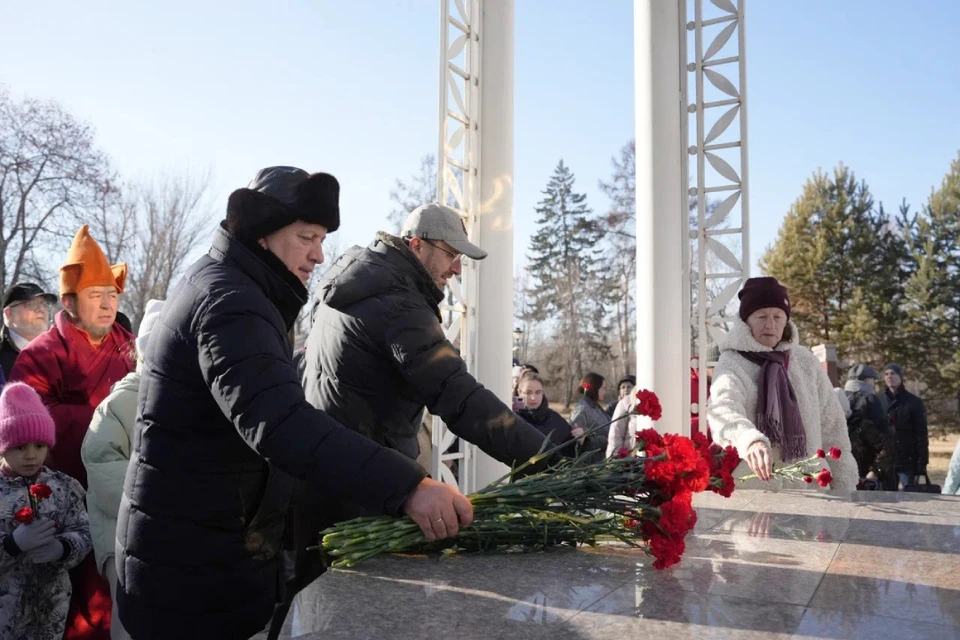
[(23, 418)]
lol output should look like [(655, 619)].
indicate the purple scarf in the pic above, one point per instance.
[(778, 415)]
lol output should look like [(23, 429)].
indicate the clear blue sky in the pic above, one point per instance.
[(352, 89)]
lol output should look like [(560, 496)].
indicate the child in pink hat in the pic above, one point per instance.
[(43, 522)]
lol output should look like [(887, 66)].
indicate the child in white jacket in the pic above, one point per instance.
[(106, 454), (43, 522)]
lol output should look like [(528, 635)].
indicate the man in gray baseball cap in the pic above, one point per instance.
[(439, 222), (437, 236), (377, 355)]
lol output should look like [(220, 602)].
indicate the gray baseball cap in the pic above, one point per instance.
[(435, 221)]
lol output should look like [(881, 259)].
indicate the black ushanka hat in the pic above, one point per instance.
[(279, 196)]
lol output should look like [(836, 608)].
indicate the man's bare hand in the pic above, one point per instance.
[(439, 509)]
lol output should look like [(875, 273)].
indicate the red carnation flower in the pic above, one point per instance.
[(730, 460), (678, 470), (726, 484), (824, 478), (647, 437), (821, 454), (40, 491), (808, 479), (835, 453), (699, 479), (666, 550), (586, 386), (24, 515), (622, 452), (700, 441), (648, 404)]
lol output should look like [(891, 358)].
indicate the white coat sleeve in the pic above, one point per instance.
[(730, 420), (951, 486), (619, 436)]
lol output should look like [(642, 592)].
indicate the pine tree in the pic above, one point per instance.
[(839, 257), (933, 294), (565, 267), (620, 251)]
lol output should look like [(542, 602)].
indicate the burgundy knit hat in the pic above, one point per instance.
[(23, 418), (761, 293)]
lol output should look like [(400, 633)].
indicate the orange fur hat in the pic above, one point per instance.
[(86, 266)]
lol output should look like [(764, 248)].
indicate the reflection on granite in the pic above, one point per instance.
[(760, 564)]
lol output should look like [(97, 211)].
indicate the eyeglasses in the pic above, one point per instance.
[(34, 305), (457, 257)]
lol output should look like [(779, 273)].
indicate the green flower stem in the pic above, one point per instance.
[(793, 471), (575, 503)]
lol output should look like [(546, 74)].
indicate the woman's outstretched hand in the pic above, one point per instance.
[(758, 458)]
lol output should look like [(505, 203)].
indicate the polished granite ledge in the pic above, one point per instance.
[(788, 564)]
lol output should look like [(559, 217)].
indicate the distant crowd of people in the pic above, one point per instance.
[(888, 431)]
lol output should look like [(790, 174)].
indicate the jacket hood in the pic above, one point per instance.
[(386, 265), (859, 386), (129, 382), (740, 338)]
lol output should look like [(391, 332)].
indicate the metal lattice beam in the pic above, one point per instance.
[(458, 185), (720, 173)]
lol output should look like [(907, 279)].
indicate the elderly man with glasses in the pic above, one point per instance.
[(26, 314)]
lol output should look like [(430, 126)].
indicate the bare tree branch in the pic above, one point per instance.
[(407, 196), (50, 172), (158, 226)]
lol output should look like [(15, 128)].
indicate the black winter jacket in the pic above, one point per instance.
[(221, 422), (866, 412), (908, 416), (551, 424), (8, 352), (376, 355)]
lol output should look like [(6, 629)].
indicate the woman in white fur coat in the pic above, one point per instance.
[(771, 397)]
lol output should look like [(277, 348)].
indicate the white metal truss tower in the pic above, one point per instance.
[(720, 235), (458, 184), (690, 100), (475, 176)]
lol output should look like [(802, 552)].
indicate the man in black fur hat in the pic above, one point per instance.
[(223, 429)]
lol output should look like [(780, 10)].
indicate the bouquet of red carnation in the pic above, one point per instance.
[(38, 493), (806, 470), (641, 500)]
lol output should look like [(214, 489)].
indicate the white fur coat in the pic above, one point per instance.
[(733, 404)]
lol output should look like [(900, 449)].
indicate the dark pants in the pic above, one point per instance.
[(875, 451), (303, 525)]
